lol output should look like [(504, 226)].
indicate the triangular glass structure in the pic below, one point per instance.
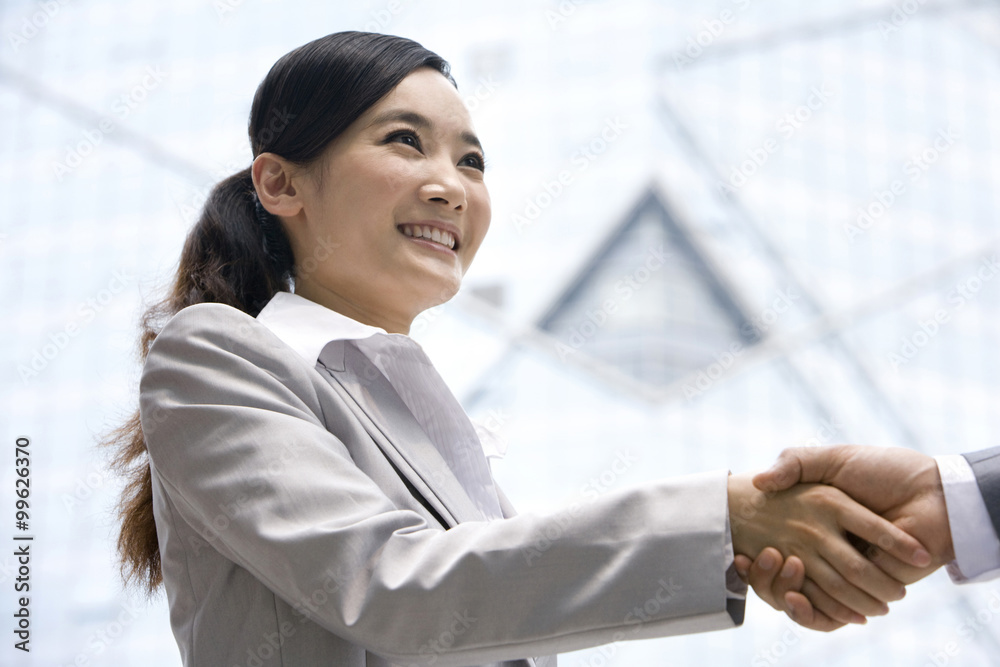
[(648, 302)]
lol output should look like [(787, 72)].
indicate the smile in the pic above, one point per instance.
[(430, 233)]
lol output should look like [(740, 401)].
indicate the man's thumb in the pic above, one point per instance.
[(785, 473)]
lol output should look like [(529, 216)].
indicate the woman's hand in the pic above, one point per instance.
[(810, 522), (779, 582)]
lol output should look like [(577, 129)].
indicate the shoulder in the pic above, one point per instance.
[(213, 341), (209, 320), (208, 326)]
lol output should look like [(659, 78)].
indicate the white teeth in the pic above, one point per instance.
[(428, 232)]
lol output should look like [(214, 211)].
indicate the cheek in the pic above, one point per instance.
[(386, 178), (483, 212), (393, 179), (371, 178)]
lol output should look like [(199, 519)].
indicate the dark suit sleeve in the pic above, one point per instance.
[(986, 466)]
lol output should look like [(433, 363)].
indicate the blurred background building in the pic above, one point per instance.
[(720, 229)]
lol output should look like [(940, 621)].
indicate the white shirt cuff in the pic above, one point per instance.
[(977, 549)]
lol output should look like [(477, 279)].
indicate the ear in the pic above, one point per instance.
[(272, 178)]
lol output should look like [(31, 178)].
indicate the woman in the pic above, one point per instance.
[(314, 495)]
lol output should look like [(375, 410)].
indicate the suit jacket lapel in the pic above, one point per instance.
[(396, 432)]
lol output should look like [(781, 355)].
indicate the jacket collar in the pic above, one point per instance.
[(396, 432), (322, 336)]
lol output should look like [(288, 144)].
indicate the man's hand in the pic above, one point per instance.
[(810, 522), (902, 485)]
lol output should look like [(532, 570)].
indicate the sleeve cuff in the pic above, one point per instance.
[(977, 549)]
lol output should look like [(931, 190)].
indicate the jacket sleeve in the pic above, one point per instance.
[(986, 466), (220, 395)]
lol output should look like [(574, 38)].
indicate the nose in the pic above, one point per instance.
[(444, 186)]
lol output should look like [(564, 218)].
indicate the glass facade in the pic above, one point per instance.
[(799, 200)]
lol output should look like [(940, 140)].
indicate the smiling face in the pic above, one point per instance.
[(386, 223)]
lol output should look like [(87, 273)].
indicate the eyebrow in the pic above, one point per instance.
[(420, 121)]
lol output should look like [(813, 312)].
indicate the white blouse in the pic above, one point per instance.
[(308, 327)]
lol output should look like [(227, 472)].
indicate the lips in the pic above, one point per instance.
[(430, 233)]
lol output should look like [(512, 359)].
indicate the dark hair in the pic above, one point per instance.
[(239, 254)]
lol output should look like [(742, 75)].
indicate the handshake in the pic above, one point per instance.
[(830, 535)]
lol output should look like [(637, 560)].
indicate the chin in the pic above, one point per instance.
[(440, 288), (441, 296)]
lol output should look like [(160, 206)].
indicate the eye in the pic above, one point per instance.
[(474, 160), (407, 137)]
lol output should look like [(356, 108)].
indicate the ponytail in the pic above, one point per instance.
[(238, 253)]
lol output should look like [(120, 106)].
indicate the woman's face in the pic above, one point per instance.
[(410, 168)]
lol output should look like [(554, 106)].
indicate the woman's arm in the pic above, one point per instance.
[(221, 398)]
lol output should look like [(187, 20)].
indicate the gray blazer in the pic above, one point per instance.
[(305, 519), (986, 466)]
